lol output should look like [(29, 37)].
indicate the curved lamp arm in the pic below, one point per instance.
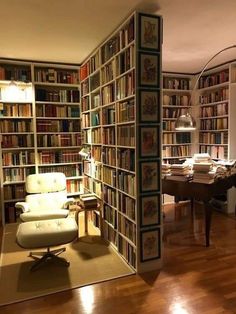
[(186, 122), (204, 68)]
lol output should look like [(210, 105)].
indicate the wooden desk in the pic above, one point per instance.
[(199, 191)]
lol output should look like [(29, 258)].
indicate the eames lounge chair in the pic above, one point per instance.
[(46, 198)]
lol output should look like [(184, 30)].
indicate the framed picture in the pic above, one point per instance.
[(150, 174), (149, 102), (150, 210), (150, 245), (149, 32), (149, 141), (149, 69)]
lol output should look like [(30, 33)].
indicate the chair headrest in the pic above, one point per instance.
[(45, 182)]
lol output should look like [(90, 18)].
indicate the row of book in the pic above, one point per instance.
[(109, 195), (60, 156), (215, 110), (126, 159), (108, 115), (93, 186), (58, 126), (60, 111), (125, 86), (110, 215), (213, 137), (57, 140), (126, 135), (125, 111), (52, 75), (93, 170), (9, 72), (108, 72), (94, 62), (69, 170), (127, 250), (11, 192), (58, 95), (109, 176), (109, 137), (214, 96), (125, 60), (94, 81), (117, 42), (168, 125), (16, 174), (126, 182), (108, 156), (172, 112), (126, 205), (217, 152), (14, 126), (15, 110), (95, 100), (214, 124), (177, 138), (176, 83), (85, 103), (84, 87), (18, 158), (74, 186), (175, 100), (108, 94), (180, 150), (16, 141), (127, 228), (213, 79)]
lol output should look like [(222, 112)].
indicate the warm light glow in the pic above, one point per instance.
[(87, 298), (178, 309), (15, 91)]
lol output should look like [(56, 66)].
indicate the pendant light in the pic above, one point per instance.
[(186, 122)]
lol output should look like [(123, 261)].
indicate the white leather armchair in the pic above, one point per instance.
[(46, 199)]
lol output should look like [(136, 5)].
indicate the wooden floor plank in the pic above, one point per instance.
[(194, 279)]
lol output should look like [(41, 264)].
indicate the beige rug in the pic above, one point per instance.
[(92, 260)]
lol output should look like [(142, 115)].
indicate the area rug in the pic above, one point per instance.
[(92, 260)]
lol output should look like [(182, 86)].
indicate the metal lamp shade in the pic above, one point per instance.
[(185, 122)]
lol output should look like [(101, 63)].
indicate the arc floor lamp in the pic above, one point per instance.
[(186, 122)]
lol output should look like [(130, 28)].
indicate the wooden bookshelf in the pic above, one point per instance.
[(111, 89)]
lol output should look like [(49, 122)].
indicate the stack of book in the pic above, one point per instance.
[(180, 172), (202, 158), (203, 172), (165, 170), (88, 201)]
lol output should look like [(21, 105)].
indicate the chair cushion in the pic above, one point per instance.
[(46, 233), (46, 182), (51, 201), (44, 214)]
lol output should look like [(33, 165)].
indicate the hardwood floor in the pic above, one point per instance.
[(194, 279)]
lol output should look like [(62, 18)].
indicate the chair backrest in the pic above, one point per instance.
[(47, 190), (46, 182), (46, 201)]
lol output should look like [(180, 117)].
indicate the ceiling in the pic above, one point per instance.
[(67, 31)]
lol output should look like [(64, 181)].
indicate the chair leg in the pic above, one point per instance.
[(48, 255)]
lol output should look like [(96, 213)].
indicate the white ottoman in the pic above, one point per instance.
[(46, 233)]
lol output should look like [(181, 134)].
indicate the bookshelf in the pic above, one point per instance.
[(120, 101), (217, 92), (40, 127), (176, 145)]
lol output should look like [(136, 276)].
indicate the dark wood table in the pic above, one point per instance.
[(199, 191)]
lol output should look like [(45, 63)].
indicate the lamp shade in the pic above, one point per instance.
[(185, 122), (84, 152)]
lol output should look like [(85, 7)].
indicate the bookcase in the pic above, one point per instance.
[(40, 127), (216, 93), (120, 113), (176, 145)]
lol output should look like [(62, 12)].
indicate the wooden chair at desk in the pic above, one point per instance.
[(80, 209)]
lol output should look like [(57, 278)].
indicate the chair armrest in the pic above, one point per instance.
[(23, 206), (68, 202)]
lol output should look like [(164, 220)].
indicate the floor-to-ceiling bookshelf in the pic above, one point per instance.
[(40, 127), (120, 109), (176, 145)]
